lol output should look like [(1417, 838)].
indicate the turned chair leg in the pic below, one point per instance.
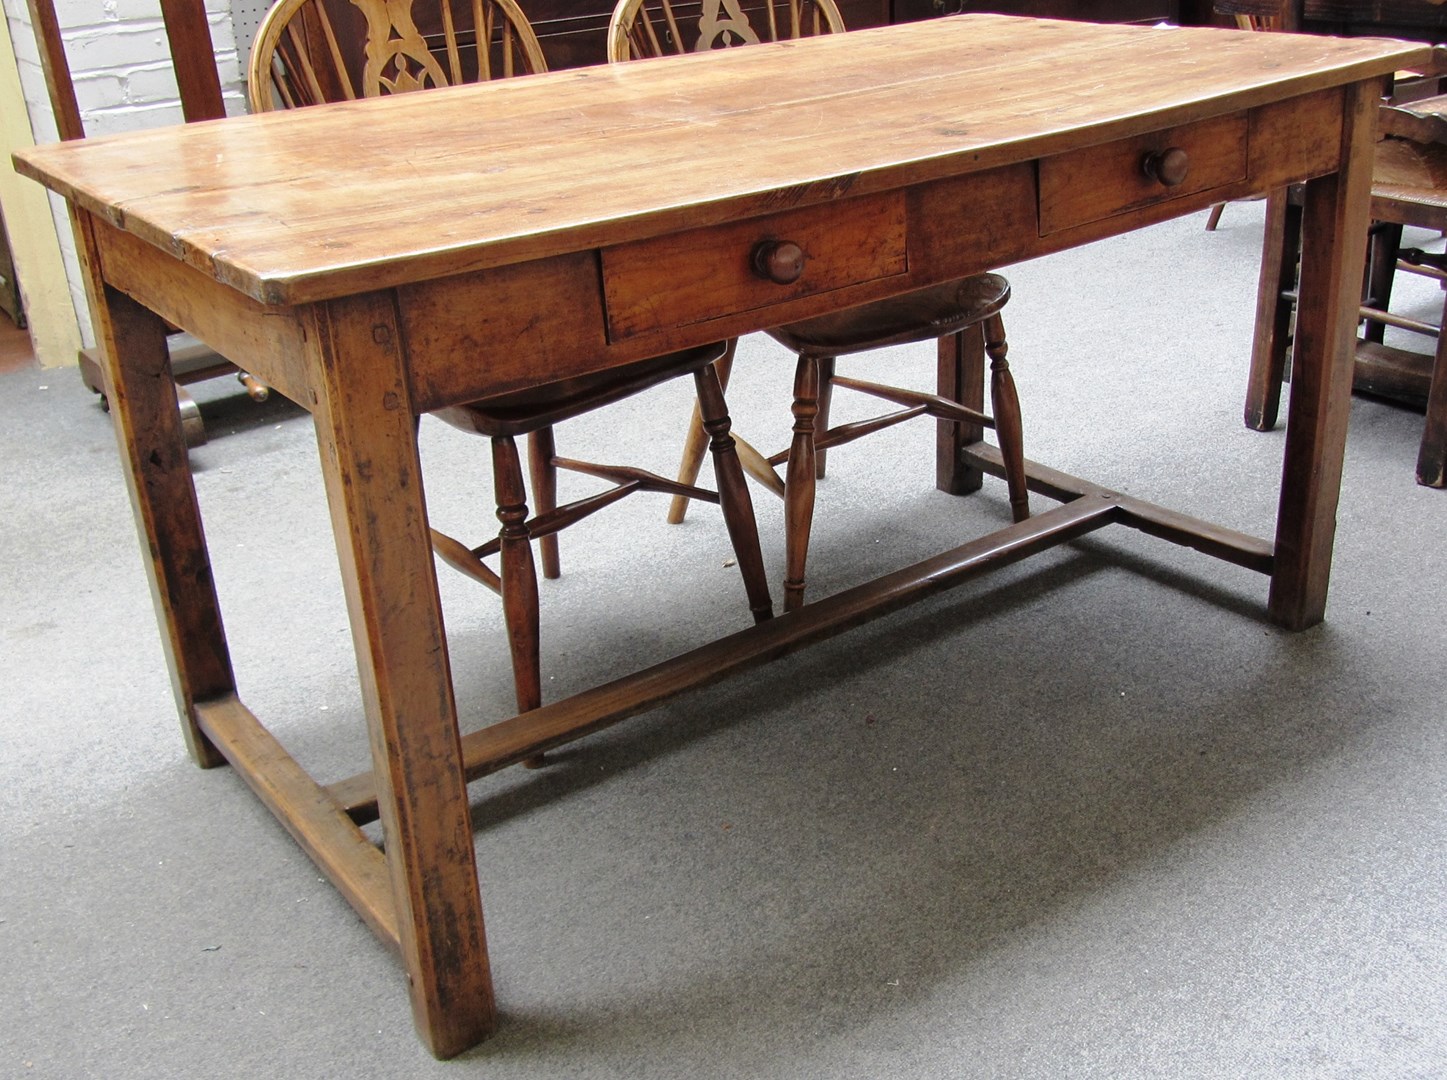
[(1432, 455), (519, 579), (695, 443), (825, 364), (1280, 253), (544, 475), (1005, 404), (799, 482), (733, 492), (1383, 245)]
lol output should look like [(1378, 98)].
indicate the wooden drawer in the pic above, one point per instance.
[(701, 274), (1102, 181)]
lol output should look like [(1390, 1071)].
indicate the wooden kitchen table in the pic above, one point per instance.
[(376, 260)]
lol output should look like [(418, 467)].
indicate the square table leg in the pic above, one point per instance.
[(367, 433), (152, 447), (1334, 229)]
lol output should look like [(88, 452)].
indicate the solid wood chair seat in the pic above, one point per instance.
[(918, 316), (528, 410), (1409, 183), (1436, 105)]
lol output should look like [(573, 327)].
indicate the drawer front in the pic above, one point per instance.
[(1102, 181), (701, 274)]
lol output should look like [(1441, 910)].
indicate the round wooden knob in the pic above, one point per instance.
[(779, 261), (1168, 167)]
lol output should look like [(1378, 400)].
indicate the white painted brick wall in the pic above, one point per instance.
[(121, 67), (120, 61)]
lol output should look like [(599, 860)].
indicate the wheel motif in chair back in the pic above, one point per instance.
[(641, 28), (312, 51)]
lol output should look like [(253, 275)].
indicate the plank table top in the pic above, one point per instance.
[(299, 206)]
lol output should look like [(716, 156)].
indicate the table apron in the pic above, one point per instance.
[(505, 328), (268, 342), (509, 327)]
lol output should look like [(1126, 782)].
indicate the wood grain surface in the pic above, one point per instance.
[(323, 202)]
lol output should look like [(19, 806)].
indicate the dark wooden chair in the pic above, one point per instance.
[(1409, 188), (311, 51), (1408, 175), (963, 315)]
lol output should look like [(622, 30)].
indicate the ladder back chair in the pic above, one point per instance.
[(964, 316), (1409, 188), (313, 51)]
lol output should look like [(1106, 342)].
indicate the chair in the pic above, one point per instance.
[(1409, 188), (1408, 175), (963, 315), (312, 51)]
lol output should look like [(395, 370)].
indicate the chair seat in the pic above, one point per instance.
[(524, 411), (1409, 183), (921, 315), (1429, 106)]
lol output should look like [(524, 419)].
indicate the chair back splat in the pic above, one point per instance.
[(641, 28), (312, 51)]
